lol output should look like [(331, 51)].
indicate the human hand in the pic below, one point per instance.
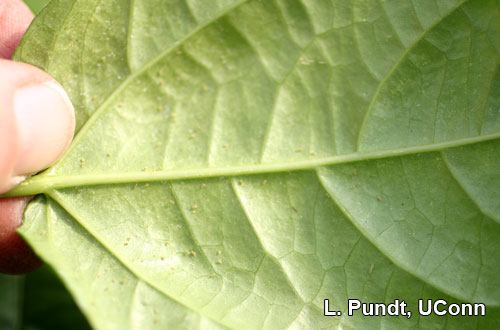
[(37, 124)]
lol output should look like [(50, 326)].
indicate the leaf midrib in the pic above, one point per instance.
[(47, 182)]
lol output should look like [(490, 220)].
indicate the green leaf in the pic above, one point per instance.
[(36, 5), (238, 162)]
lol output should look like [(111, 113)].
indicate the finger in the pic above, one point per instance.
[(18, 83), (8, 145), (16, 257), (38, 122), (15, 17)]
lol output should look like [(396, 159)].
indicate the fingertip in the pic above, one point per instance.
[(45, 125), (8, 148), (37, 122)]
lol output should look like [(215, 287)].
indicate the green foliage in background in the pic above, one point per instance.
[(37, 301), (237, 162)]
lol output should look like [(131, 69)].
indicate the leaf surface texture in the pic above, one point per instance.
[(237, 162)]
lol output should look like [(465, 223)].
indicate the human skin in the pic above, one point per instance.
[(36, 126)]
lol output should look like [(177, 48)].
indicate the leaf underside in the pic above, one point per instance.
[(237, 162)]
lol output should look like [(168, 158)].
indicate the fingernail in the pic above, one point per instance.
[(45, 125)]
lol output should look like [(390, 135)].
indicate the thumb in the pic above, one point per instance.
[(37, 122)]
